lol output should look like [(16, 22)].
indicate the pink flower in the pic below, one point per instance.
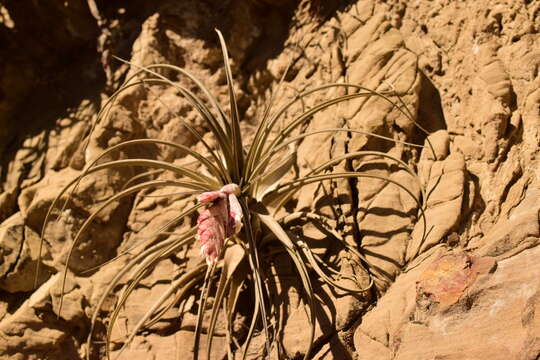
[(219, 221)]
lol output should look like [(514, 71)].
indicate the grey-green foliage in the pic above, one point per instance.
[(257, 167)]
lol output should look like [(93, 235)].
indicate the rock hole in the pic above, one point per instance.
[(430, 113)]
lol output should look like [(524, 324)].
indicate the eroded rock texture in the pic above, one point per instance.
[(461, 283)]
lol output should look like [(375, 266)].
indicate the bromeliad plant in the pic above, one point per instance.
[(237, 196)]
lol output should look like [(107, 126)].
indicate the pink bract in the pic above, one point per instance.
[(219, 221)]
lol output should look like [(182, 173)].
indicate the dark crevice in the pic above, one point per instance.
[(353, 187), (355, 205), (275, 25), (477, 207), (513, 136), (465, 209), (13, 300), (430, 113), (55, 71), (516, 175), (324, 10)]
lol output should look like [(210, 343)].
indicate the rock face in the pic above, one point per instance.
[(457, 280), (457, 306)]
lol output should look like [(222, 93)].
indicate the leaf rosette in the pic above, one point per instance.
[(238, 197)]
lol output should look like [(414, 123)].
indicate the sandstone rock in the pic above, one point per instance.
[(43, 150), (470, 68), (19, 253), (518, 231), (66, 140), (445, 191), (448, 308), (12, 239), (143, 299), (155, 347), (34, 331), (385, 225), (19, 67), (338, 309), (493, 111), (444, 282), (61, 230)]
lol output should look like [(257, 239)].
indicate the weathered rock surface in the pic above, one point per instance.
[(20, 255), (41, 332), (455, 306), (462, 285)]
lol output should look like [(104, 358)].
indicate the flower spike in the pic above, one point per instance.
[(219, 221)]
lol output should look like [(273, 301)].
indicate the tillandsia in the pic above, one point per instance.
[(238, 195)]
